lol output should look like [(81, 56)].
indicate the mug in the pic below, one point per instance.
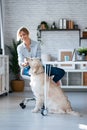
[(66, 58)]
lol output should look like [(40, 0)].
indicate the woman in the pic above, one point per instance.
[(30, 48)]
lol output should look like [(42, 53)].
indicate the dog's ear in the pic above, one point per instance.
[(30, 61)]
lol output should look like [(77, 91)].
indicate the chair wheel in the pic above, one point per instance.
[(44, 112), (22, 105), (6, 94)]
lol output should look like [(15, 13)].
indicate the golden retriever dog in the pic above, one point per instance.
[(57, 102)]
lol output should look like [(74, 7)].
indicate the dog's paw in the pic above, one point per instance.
[(35, 110)]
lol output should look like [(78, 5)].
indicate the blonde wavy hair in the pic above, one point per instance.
[(24, 29)]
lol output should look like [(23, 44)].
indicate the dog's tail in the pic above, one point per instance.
[(74, 113)]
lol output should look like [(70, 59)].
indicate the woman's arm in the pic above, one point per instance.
[(21, 59)]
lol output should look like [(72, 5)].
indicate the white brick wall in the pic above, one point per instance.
[(31, 12), (55, 40)]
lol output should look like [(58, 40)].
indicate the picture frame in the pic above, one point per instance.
[(66, 55)]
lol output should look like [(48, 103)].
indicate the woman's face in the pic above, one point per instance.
[(24, 36)]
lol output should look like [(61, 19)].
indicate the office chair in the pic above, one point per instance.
[(26, 100)]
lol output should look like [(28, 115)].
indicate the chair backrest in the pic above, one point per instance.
[(24, 76)]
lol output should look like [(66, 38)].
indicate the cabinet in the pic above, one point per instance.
[(80, 68), (4, 74)]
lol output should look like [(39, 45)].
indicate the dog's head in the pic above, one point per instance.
[(36, 66)]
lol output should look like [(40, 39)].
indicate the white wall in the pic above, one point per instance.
[(54, 40), (31, 12)]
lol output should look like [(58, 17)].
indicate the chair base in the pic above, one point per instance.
[(25, 101)]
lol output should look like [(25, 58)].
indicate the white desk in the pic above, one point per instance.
[(74, 67)]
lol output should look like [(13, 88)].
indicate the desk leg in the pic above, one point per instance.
[(44, 109)]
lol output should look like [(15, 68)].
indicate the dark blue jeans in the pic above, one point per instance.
[(58, 73)]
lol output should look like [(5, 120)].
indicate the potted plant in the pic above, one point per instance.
[(82, 53), (17, 83)]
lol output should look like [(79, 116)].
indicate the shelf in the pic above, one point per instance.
[(65, 62), (61, 30), (76, 70), (84, 38), (74, 87)]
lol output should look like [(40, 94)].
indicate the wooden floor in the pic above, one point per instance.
[(13, 117)]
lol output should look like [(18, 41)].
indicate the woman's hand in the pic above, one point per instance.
[(26, 63)]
